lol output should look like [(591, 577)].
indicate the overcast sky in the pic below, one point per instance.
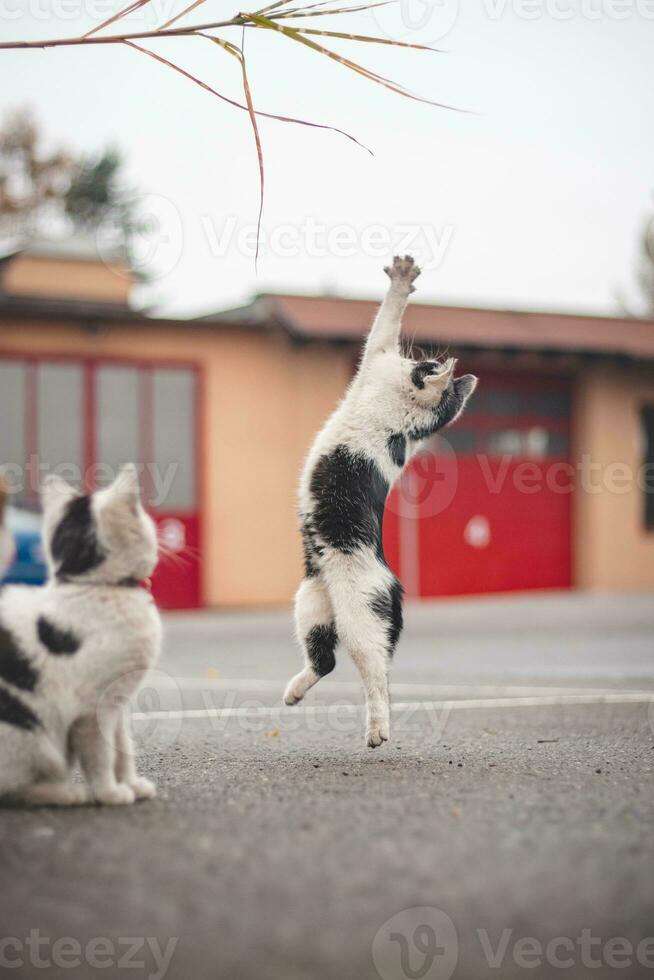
[(535, 199)]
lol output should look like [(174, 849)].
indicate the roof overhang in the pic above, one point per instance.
[(339, 320)]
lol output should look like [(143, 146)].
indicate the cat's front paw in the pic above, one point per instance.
[(143, 788), (376, 735), (119, 794), (403, 272)]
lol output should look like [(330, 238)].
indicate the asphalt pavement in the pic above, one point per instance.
[(505, 831)]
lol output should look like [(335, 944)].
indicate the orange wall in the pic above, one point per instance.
[(264, 399), (33, 275), (272, 398), (612, 548)]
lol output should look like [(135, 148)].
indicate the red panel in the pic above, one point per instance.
[(493, 536), (176, 581), (392, 532)]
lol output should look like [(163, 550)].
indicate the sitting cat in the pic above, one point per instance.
[(6, 539), (84, 639), (349, 593)]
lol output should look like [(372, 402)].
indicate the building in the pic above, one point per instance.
[(547, 482)]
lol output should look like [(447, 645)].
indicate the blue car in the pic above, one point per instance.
[(28, 567)]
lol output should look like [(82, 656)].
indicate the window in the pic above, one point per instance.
[(549, 404), (118, 417), (502, 442), (647, 425), (173, 403), (13, 383), (87, 420), (60, 420), (513, 403), (499, 402), (460, 441), (535, 442)]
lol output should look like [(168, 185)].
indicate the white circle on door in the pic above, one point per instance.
[(477, 532), (172, 534)]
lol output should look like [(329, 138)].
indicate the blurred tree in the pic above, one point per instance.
[(33, 182), (43, 192), (646, 268), (639, 302), (98, 198)]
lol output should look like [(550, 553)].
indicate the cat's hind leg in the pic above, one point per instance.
[(55, 794), (40, 775), (367, 600), (316, 632)]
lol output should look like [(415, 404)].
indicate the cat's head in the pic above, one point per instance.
[(105, 537), (433, 387)]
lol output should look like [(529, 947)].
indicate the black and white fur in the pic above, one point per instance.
[(349, 594), (81, 643)]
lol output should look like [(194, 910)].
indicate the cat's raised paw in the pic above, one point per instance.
[(119, 795), (143, 788), (403, 271), (298, 686)]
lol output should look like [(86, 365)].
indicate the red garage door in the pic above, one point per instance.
[(85, 418), (486, 508)]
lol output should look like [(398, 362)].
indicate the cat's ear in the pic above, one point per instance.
[(435, 383), (465, 385), (463, 388), (55, 492), (440, 380), (126, 488)]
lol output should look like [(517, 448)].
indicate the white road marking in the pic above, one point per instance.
[(353, 687), (627, 697)]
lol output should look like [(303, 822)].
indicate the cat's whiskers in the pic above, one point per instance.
[(183, 557), (170, 557)]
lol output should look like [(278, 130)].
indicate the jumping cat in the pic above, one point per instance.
[(84, 639), (6, 540), (349, 594)]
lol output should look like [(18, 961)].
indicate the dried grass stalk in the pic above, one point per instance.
[(271, 18)]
